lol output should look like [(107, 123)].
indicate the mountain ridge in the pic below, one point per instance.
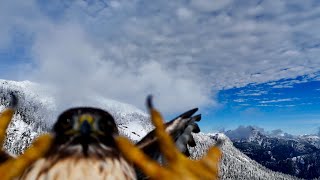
[(294, 155)]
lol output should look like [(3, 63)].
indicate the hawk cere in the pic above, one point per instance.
[(85, 144)]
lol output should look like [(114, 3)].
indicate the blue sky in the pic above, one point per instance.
[(242, 62), (289, 104)]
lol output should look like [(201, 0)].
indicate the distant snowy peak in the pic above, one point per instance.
[(243, 133), (255, 134), (312, 139), (294, 155)]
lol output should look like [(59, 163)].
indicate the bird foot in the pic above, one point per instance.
[(12, 167), (177, 166)]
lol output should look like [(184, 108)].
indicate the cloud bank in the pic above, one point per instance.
[(183, 52)]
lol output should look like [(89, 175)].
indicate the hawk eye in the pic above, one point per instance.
[(103, 126), (67, 123)]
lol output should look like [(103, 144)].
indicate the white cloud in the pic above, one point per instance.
[(280, 86), (251, 93), (239, 100), (279, 100), (291, 82), (178, 50), (244, 104), (80, 71)]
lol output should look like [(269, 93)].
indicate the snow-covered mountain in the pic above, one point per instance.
[(312, 139), (36, 111), (235, 165), (294, 155), (247, 134)]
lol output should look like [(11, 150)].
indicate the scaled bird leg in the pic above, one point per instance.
[(177, 166), (13, 167)]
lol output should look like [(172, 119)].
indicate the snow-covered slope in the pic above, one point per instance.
[(36, 109), (33, 112), (235, 164)]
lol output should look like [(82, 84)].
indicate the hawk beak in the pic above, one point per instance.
[(86, 124), (85, 128)]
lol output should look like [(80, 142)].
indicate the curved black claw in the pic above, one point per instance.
[(197, 117), (195, 128), (13, 101), (149, 102), (189, 113)]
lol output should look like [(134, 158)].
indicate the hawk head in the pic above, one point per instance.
[(83, 148), (86, 127)]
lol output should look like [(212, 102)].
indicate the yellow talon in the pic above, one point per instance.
[(14, 167), (5, 119), (177, 165)]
